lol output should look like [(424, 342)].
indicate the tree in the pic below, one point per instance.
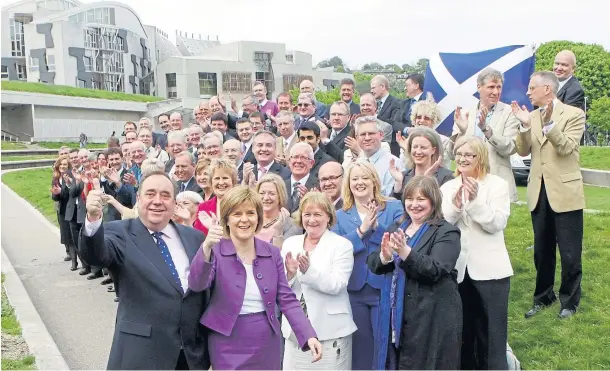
[(599, 113), (394, 67), (326, 97), (373, 66), (332, 62), (340, 69), (592, 65)]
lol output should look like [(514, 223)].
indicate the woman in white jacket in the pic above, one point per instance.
[(318, 266), (478, 203)]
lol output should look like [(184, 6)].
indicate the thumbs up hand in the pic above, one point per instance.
[(95, 203), (215, 233)]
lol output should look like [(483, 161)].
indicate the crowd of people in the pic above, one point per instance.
[(257, 234)]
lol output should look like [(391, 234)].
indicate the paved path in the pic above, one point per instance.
[(78, 313)]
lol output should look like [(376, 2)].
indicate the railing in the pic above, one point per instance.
[(9, 136)]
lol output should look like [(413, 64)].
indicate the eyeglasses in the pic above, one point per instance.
[(304, 105), (330, 178), (468, 156), (301, 158)]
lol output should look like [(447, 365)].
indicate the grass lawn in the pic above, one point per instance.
[(543, 342), (33, 87), (595, 158), (597, 198), (9, 146), (57, 145), (27, 158), (11, 332)]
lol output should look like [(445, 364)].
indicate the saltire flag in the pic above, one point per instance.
[(452, 78)]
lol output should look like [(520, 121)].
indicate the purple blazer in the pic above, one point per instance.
[(226, 276)]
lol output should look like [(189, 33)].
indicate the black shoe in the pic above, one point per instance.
[(116, 300), (535, 309), (74, 266), (98, 274), (84, 271), (67, 258), (106, 281), (566, 313)]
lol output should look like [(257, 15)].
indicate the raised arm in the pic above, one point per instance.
[(334, 280)]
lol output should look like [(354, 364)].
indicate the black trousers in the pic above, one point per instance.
[(75, 230), (553, 229), (485, 330), (182, 364)]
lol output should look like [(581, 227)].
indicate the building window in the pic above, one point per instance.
[(294, 81), (172, 94), (290, 58), (207, 83), (80, 83), (237, 82), (50, 62), (21, 72), (170, 78), (17, 39), (34, 64), (4, 74)]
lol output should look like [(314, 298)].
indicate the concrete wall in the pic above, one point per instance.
[(18, 120)]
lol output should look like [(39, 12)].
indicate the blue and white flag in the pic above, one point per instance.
[(452, 78)]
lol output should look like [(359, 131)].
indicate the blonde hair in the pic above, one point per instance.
[(428, 108), (151, 165), (320, 200), (223, 164), (432, 136), (280, 186), (479, 149), (235, 198), (60, 159), (368, 170), (202, 164)]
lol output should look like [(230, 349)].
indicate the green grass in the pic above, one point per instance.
[(27, 158), (10, 326), (27, 363), (542, 342), (33, 87), (10, 146), (597, 198), (595, 158), (57, 145)]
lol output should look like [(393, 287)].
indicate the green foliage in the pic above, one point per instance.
[(33, 87), (599, 113), (592, 65), (326, 97)]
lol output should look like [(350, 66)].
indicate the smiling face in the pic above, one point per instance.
[(283, 103), (183, 168), (422, 151), (242, 222), (261, 92), (222, 182), (203, 178), (285, 125), (306, 108), (300, 163), (232, 150), (466, 160), (347, 92), (156, 202), (269, 196), (564, 65), (315, 220), (63, 166), (418, 207), (361, 184), (264, 149), (244, 131), (369, 137)]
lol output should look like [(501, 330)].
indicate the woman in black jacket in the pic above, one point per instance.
[(421, 309), (60, 193)]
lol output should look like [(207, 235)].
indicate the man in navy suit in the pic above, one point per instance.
[(387, 106), (414, 88), (570, 91), (347, 96), (264, 149), (157, 325)]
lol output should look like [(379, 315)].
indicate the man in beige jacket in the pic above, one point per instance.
[(555, 194), (492, 121)]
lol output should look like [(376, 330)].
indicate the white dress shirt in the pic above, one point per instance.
[(562, 83), (174, 245), (289, 139), (301, 182)]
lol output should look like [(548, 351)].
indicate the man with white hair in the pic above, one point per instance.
[(570, 91), (175, 121), (213, 145), (301, 180), (176, 143), (555, 194), (387, 106), (184, 169)]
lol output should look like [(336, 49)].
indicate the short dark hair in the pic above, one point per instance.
[(162, 173), (417, 78), (284, 94), (219, 116), (256, 114), (114, 151), (163, 114), (74, 150), (310, 126), (241, 121), (347, 81)]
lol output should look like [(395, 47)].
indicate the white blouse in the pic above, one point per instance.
[(253, 301)]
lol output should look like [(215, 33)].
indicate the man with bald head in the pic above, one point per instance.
[(331, 177), (308, 87), (570, 91)]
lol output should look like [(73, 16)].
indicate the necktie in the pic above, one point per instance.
[(183, 187), (262, 171), (167, 257), (379, 104), (295, 195), (411, 103), (333, 135)]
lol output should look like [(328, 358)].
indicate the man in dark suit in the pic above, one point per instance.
[(307, 110), (570, 91), (157, 325), (339, 119), (347, 96), (184, 169), (176, 143), (245, 132), (387, 106), (264, 149), (414, 88), (219, 121), (331, 179), (310, 134), (307, 86), (113, 186), (300, 162)]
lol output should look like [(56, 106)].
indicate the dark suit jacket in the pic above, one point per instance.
[(401, 119), (169, 165), (62, 198), (249, 156), (76, 190), (354, 108), (277, 169), (339, 140), (312, 181), (160, 139), (388, 111), (191, 186), (155, 319), (320, 159), (125, 195), (572, 94), (339, 205)]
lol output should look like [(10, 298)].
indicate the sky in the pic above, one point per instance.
[(383, 31)]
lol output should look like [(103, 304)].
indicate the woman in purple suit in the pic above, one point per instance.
[(247, 281)]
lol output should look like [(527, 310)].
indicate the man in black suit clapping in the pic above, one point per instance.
[(387, 106)]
